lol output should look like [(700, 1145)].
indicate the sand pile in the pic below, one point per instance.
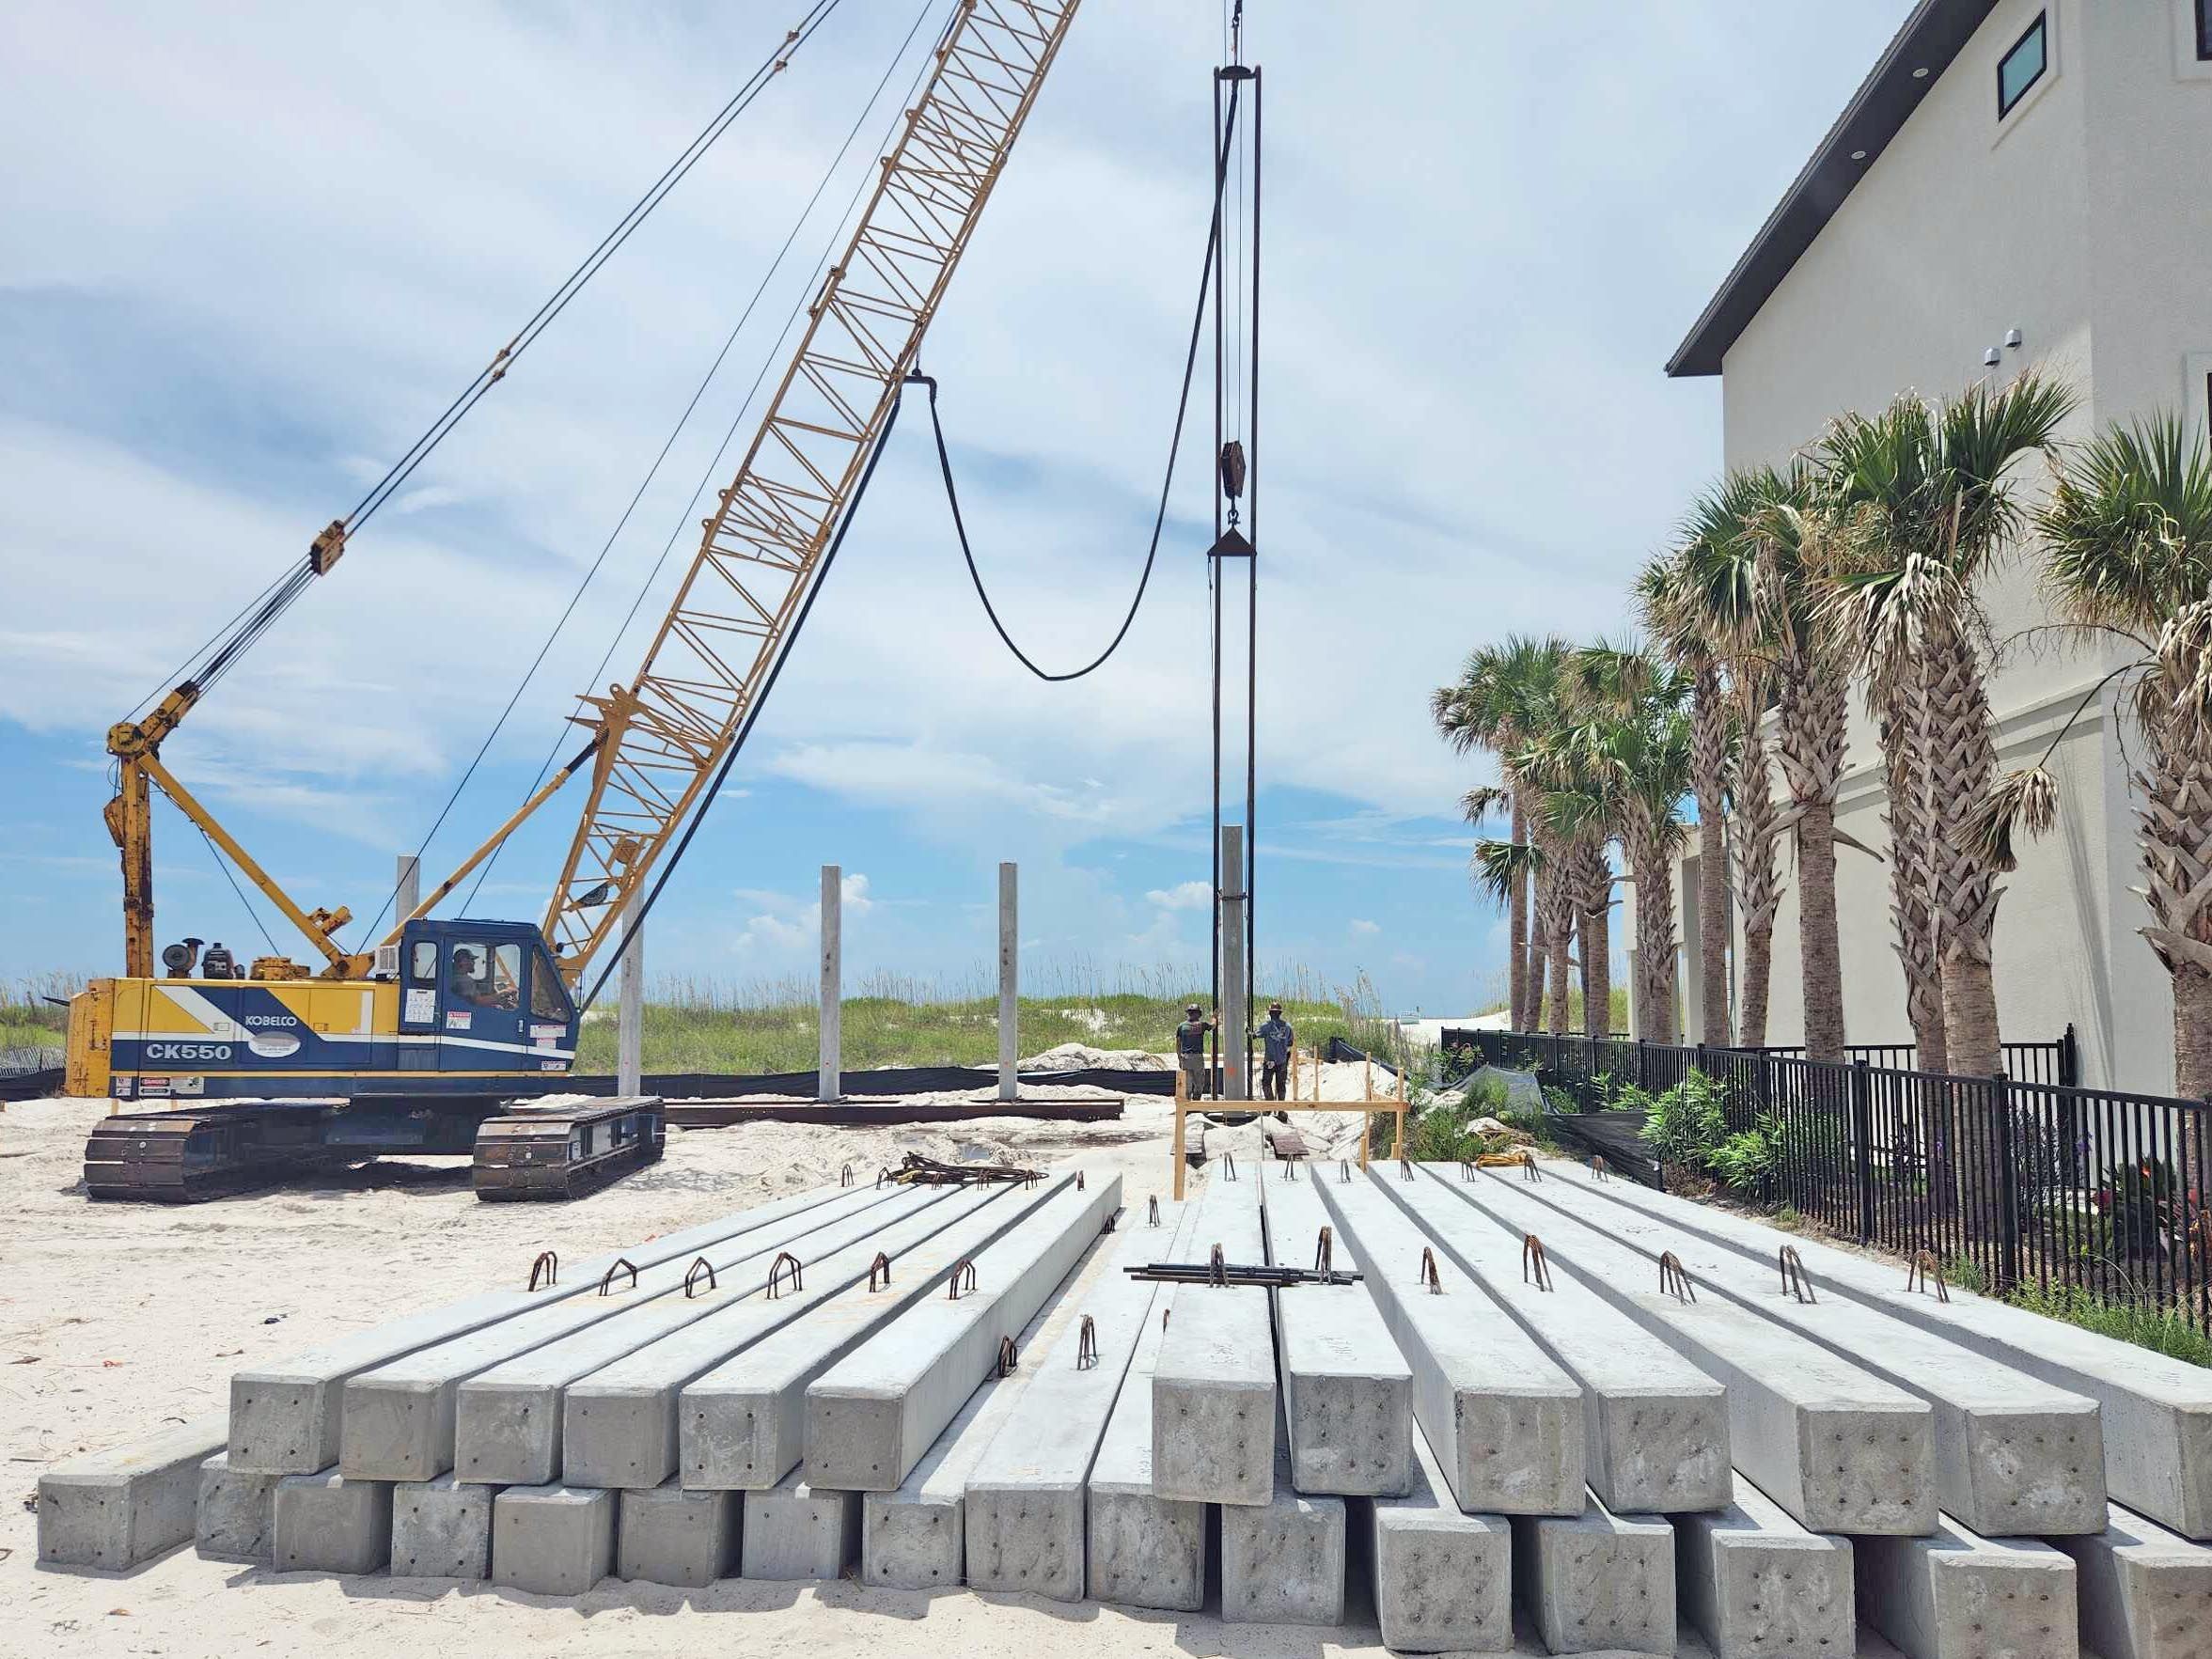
[(1078, 1057)]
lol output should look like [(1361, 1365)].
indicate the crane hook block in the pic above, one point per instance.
[(328, 548), (1233, 469)]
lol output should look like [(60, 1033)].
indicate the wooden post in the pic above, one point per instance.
[(829, 1080), (630, 1021), (1010, 995)]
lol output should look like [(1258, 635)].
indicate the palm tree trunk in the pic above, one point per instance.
[(1962, 769), (1561, 1004), (1911, 822), (1819, 952), (1656, 944), (1758, 884), (1533, 966), (1554, 919), (1812, 706), (1709, 774), (1594, 902), (2176, 819), (1517, 931)]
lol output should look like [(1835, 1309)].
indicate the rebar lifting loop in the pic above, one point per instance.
[(1429, 1275), (953, 1286), (845, 1176), (1795, 1281), (1008, 1358), (1674, 1278), (1216, 1267), (1528, 1169), (1324, 1250), (884, 1176), (1078, 1181), (1599, 1168), (548, 1264), (1086, 1344), (776, 1273), (1343, 1172), (1404, 1168), (1921, 1269), (607, 1283), (1466, 1169), (879, 1272), (1151, 1211), (698, 1264), (1532, 1256), (1228, 1164), (1290, 1169)]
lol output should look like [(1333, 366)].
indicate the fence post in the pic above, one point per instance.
[(1644, 1063), (1862, 1151), (2070, 1059), (2008, 1192)]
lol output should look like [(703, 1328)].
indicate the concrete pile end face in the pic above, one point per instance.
[(1760, 1586), (327, 1523), (910, 1545), (237, 1519), (2145, 1592), (794, 1532), (1443, 1580), (670, 1535), (1282, 1562), (1597, 1581), (1956, 1595), (1147, 1551), (553, 1540), (442, 1528)]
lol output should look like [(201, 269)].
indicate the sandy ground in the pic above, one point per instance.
[(115, 1318)]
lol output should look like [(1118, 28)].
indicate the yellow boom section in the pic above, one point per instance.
[(665, 733)]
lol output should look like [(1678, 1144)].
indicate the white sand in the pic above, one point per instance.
[(132, 1314)]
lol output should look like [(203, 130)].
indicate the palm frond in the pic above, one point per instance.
[(2027, 799)]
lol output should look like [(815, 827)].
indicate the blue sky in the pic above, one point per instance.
[(253, 248)]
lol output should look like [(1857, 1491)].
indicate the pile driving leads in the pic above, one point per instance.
[(1834, 1445), (1213, 1409), (871, 1415), (1656, 1426), (1503, 1420), (2014, 1457)]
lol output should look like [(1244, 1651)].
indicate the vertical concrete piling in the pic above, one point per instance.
[(830, 1079), (870, 1416), (1024, 1514), (1214, 1410), (551, 1540), (630, 1018), (1837, 1447), (1443, 1579), (1597, 1580), (742, 1425), (1236, 1013), (1504, 1420), (2156, 1413), (2013, 1456), (1348, 1391), (1656, 1427), (1958, 1595), (1758, 1586), (1010, 983)]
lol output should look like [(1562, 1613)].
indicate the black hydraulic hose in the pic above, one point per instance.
[(760, 699), (1190, 360)]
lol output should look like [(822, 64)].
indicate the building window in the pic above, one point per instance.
[(2204, 31), (2023, 66)]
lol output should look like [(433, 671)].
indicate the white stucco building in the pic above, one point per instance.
[(2032, 177)]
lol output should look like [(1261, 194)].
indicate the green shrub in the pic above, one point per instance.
[(1684, 1125), (2163, 1330), (1749, 1160)]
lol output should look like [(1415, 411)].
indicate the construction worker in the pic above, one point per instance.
[(1190, 1052), (1276, 1037)]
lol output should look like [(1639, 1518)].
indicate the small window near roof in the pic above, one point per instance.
[(2023, 66)]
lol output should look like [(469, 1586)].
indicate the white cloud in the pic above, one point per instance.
[(1361, 928), (1183, 896)]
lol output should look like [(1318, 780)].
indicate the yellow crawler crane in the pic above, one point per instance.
[(418, 1044)]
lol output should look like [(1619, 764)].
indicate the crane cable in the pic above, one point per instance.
[(246, 627), (1190, 359), (683, 420)]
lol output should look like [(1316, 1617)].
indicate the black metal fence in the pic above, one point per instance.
[(2032, 1181)]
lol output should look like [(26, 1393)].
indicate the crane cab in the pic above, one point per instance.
[(478, 997)]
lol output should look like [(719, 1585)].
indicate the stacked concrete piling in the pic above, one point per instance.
[(1590, 1403)]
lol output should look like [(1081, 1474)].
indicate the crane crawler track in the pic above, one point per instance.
[(549, 1156)]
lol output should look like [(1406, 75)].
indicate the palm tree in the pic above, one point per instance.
[(2128, 532), (1745, 580), (1919, 510), (1634, 732), (1755, 847), (1667, 595), (1501, 699), (1582, 816)]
